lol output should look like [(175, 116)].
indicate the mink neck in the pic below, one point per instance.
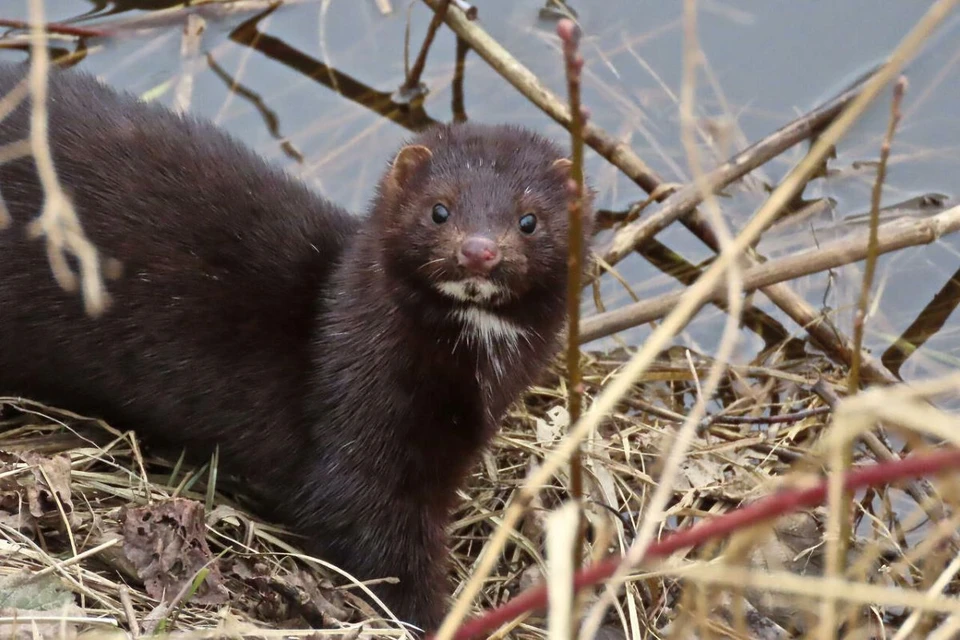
[(440, 393)]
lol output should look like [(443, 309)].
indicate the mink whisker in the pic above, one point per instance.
[(430, 262)]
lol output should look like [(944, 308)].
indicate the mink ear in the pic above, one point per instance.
[(562, 165), (408, 160)]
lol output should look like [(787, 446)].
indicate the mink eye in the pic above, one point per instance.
[(528, 223), (440, 213)]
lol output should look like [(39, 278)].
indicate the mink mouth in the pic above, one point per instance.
[(473, 290)]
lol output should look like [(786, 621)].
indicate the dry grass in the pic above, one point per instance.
[(110, 472), (734, 458)]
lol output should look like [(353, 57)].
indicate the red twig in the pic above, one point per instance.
[(55, 27), (778, 504)]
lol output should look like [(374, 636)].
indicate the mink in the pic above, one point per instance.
[(355, 366)]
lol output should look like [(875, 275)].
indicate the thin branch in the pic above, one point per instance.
[(412, 87), (872, 246), (927, 324), (457, 105), (58, 219), (569, 34)]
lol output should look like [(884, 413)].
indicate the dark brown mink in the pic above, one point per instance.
[(353, 366)]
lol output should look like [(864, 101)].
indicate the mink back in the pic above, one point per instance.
[(222, 257)]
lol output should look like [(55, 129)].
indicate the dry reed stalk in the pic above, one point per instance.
[(655, 509), (58, 220)]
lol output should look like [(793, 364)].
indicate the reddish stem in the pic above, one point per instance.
[(54, 27), (780, 503)]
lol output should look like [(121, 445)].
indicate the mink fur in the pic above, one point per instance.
[(333, 359)]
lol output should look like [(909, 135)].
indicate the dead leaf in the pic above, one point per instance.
[(24, 591), (289, 599), (26, 495), (795, 546), (166, 542), (23, 596), (718, 479), (40, 494), (553, 428)]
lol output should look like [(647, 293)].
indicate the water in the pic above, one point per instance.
[(766, 63)]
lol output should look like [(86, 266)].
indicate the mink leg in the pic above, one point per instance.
[(385, 540)]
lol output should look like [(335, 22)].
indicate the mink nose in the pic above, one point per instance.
[(479, 254)]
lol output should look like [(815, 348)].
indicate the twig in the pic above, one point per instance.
[(128, 611), (569, 34), (777, 504), (457, 105), (696, 295), (412, 87), (840, 525), (860, 317), (58, 219), (892, 236), (928, 323), (796, 416), (469, 10), (412, 117)]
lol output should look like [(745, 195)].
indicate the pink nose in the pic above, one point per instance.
[(479, 254)]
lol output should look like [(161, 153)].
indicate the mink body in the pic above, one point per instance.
[(354, 366)]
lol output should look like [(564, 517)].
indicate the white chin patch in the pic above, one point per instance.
[(470, 289), (486, 329)]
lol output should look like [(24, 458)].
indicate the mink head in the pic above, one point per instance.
[(478, 215)]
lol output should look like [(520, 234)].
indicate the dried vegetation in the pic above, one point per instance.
[(101, 538)]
